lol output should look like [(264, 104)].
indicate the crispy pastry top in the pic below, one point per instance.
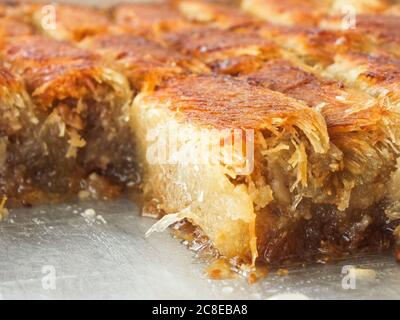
[(140, 59), (343, 110), (51, 69), (313, 43), (384, 28), (136, 52), (314, 36), (377, 69), (200, 41), (33, 51), (224, 51), (226, 102)]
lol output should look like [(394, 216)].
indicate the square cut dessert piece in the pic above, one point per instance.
[(274, 212), (363, 129), (151, 19), (18, 121), (144, 62), (213, 14), (320, 47), (312, 172), (82, 109), (18, 128), (223, 51)]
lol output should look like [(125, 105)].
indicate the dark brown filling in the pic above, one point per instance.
[(38, 170), (110, 146), (328, 234)]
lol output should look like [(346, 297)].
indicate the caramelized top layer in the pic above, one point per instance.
[(139, 58), (226, 102), (72, 22), (343, 110), (51, 69), (385, 27), (225, 51), (33, 51), (382, 31), (201, 41), (148, 17), (377, 69), (134, 50), (217, 14), (315, 44)]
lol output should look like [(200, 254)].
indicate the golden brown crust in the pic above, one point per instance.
[(381, 31), (148, 18), (141, 60), (207, 40), (315, 44), (380, 70), (82, 129), (81, 126), (343, 111), (223, 101), (224, 51), (51, 69)]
